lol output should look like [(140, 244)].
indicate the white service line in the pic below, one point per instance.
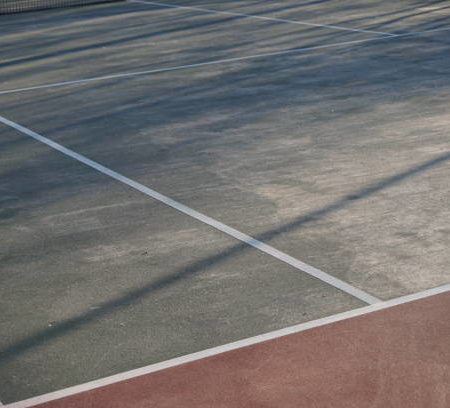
[(199, 64), (224, 348), (281, 20), (221, 61), (323, 276)]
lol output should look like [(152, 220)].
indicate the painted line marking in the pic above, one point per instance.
[(176, 68), (89, 386), (281, 20), (215, 62), (323, 276)]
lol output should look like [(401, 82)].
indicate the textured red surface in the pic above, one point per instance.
[(398, 357)]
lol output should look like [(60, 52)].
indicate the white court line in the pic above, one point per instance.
[(215, 62), (323, 276), (199, 64), (224, 348), (281, 20)]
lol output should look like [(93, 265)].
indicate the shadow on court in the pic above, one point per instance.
[(226, 119), (80, 41), (345, 74), (64, 327)]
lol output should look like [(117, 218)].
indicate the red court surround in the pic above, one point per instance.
[(394, 358)]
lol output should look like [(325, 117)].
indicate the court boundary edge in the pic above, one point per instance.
[(127, 375)]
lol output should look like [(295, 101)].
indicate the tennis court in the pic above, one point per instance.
[(225, 204)]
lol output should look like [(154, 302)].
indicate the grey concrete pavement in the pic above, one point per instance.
[(97, 279), (338, 157), (125, 37), (398, 16)]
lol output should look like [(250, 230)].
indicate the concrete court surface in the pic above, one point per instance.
[(338, 156)]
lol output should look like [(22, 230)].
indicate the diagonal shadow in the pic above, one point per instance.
[(68, 325)]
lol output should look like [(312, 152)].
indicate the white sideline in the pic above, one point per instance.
[(331, 280), (224, 348), (215, 62), (281, 20)]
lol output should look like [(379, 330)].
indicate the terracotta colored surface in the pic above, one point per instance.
[(397, 357)]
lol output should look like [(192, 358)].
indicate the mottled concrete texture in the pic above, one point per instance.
[(339, 157)]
